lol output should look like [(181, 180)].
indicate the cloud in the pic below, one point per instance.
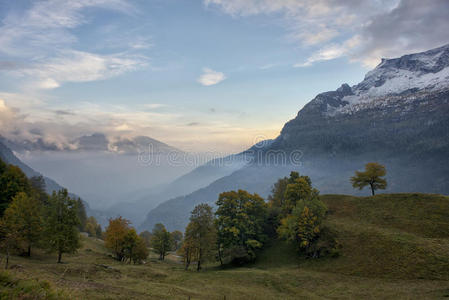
[(332, 51), (79, 66), (154, 105), (412, 26), (211, 77), (42, 39), (363, 31), (61, 112)]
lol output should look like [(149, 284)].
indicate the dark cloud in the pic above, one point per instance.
[(412, 26), (36, 131), (64, 113), (193, 124), (9, 65)]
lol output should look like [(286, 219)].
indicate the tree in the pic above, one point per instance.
[(200, 235), (188, 250), (115, 236), (146, 237), (140, 252), (93, 228), (12, 181), (82, 216), (240, 225), (176, 237), (61, 228), (24, 216), (161, 240), (305, 213), (372, 176), (39, 188), (277, 196), (9, 237), (130, 244)]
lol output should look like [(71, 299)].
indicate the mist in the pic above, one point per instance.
[(103, 179)]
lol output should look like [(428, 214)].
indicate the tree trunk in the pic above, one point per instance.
[(220, 257), (29, 251), (198, 267), (187, 258), (59, 257), (7, 259), (372, 188)]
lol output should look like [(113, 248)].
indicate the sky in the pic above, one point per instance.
[(200, 75)]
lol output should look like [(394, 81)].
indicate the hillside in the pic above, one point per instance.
[(9, 157), (397, 116), (393, 246)]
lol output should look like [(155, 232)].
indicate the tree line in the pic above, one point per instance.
[(241, 225), (30, 218)]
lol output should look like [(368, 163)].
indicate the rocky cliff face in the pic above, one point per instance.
[(400, 108)]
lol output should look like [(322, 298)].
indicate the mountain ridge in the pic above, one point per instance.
[(405, 129)]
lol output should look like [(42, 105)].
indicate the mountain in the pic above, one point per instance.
[(200, 177), (8, 156), (96, 142), (398, 116)]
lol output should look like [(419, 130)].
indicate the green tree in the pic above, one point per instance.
[(277, 196), (372, 176), (200, 234), (12, 182), (39, 188), (177, 239), (146, 237), (61, 228), (115, 236), (140, 252), (240, 225), (9, 237), (82, 216), (25, 213), (130, 244), (93, 228), (161, 240), (305, 213)]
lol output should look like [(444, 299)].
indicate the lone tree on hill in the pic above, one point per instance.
[(372, 176)]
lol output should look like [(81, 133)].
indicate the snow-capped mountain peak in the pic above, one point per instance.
[(426, 71)]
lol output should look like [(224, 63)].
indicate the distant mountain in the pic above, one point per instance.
[(398, 115), (198, 178), (96, 142), (8, 156)]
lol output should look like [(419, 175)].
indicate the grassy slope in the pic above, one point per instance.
[(394, 246)]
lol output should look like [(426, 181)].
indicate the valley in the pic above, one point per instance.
[(393, 246)]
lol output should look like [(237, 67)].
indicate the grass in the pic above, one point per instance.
[(393, 247)]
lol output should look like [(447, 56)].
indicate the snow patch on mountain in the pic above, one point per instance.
[(427, 71)]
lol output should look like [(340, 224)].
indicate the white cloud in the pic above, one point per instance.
[(42, 39), (211, 77), (154, 105), (372, 29), (332, 51), (78, 66)]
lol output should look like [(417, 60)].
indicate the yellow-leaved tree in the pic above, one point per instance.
[(372, 176)]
